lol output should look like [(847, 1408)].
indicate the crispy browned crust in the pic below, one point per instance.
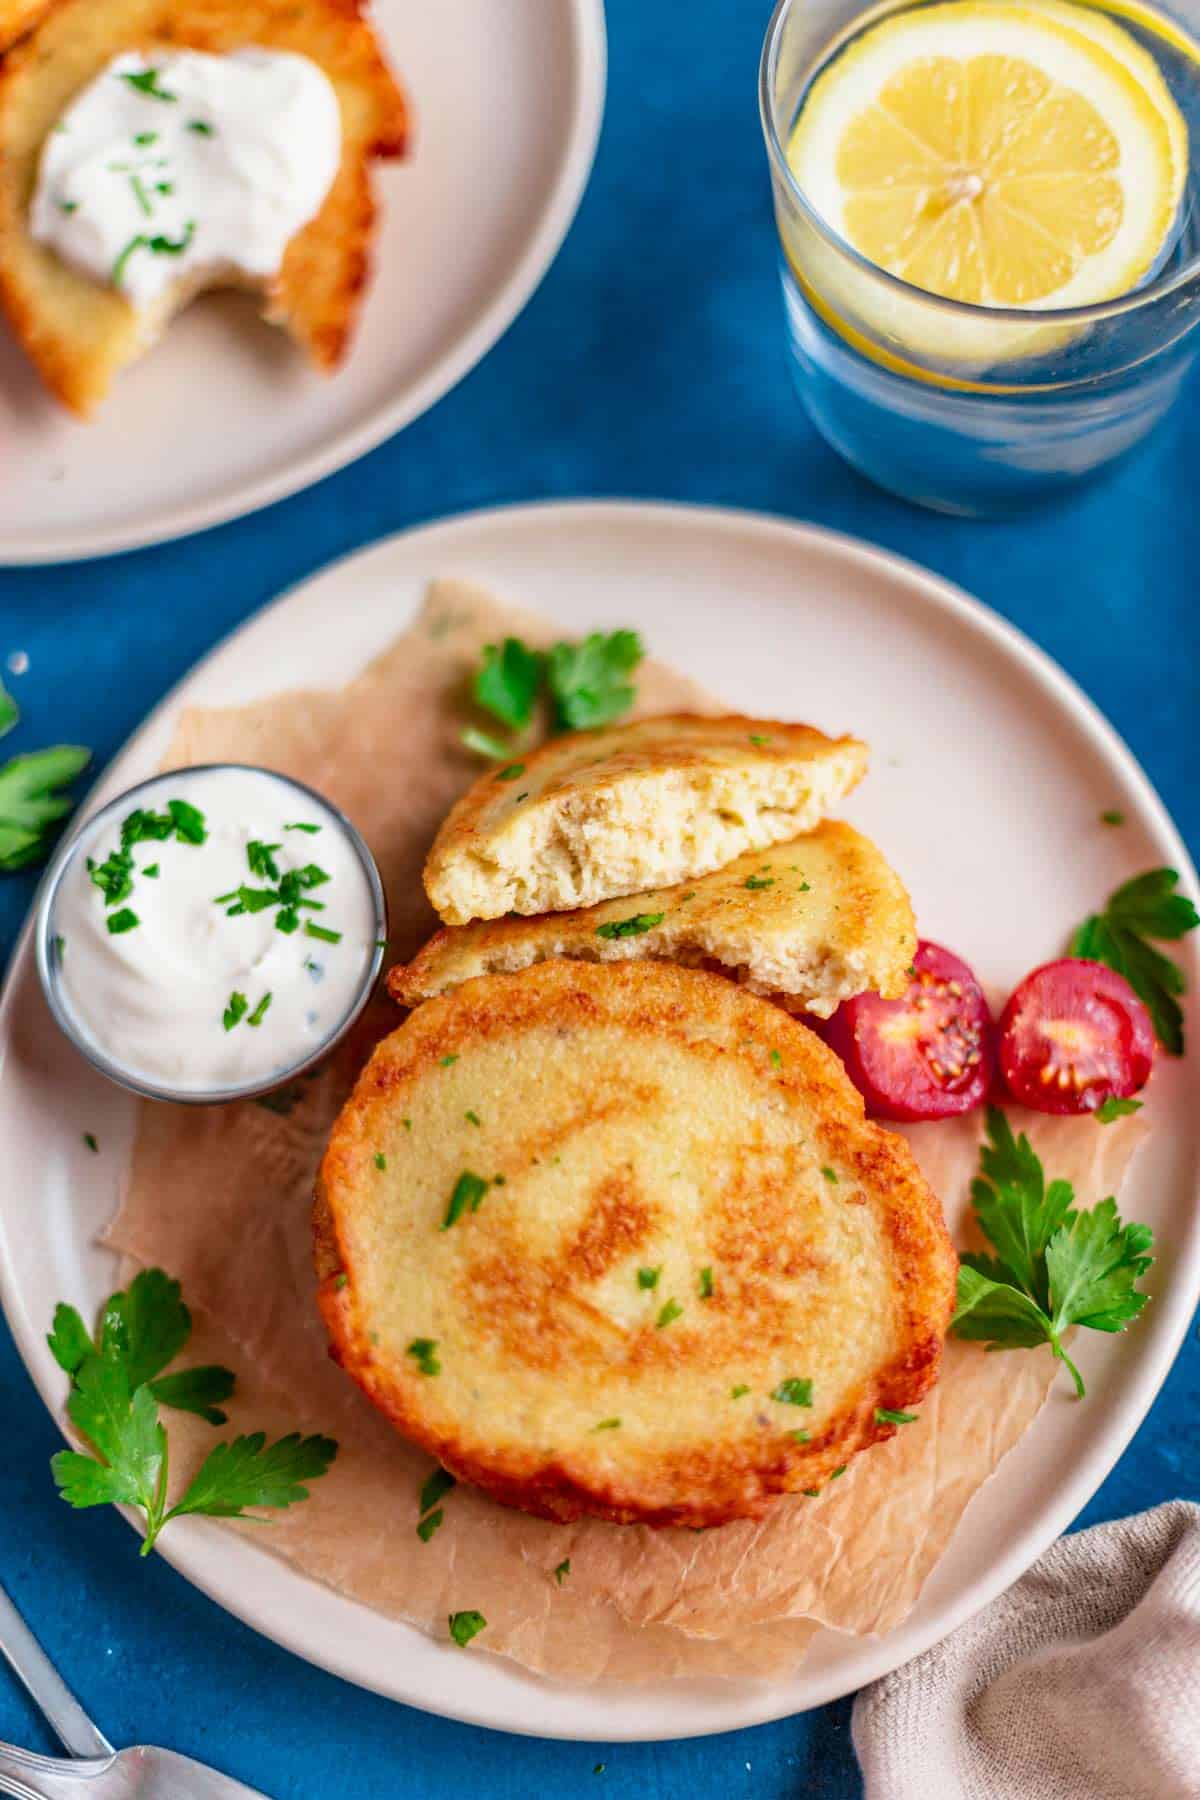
[(526, 1316), (19, 16), (79, 334)]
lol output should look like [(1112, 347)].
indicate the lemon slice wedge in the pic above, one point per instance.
[(1008, 156)]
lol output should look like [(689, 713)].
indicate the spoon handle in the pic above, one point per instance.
[(46, 1686)]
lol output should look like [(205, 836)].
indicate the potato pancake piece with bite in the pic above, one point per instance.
[(619, 1240), (811, 923), (79, 333), (598, 814)]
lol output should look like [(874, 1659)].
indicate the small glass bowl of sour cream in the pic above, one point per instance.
[(211, 934)]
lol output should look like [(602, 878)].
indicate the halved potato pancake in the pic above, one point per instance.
[(81, 334), (597, 814), (809, 923), (619, 1240)]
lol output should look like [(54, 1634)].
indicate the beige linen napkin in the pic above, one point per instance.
[(1082, 1682)]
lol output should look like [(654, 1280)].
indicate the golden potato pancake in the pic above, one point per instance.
[(598, 814), (81, 334), (619, 1240), (19, 16), (809, 923)]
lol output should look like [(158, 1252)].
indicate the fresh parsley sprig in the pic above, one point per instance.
[(1146, 907), (32, 802), (586, 685), (1055, 1265), (117, 1387)]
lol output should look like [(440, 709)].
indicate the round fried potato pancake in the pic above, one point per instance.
[(597, 814), (810, 923), (618, 1240)]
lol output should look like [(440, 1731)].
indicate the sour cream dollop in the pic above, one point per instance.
[(212, 930), (180, 168)]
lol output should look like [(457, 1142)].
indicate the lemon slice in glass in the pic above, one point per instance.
[(1008, 156)]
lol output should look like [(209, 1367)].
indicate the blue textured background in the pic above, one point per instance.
[(650, 363)]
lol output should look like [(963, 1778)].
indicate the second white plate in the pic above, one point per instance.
[(989, 772), (224, 415)]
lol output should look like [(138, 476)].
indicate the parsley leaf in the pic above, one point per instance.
[(31, 801), (424, 1351), (508, 681), (435, 1488), (251, 1472), (1057, 1266), (884, 1415), (563, 1570), (117, 1386), (668, 1314), (485, 744), (1144, 908), (10, 712), (632, 927), (648, 1278), (146, 82), (589, 682)]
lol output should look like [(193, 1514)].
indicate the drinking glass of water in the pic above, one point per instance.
[(989, 235)]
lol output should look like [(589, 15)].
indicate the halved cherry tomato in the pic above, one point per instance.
[(926, 1056), (1073, 1035)]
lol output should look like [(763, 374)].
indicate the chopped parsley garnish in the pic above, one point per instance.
[(669, 1313), (260, 1011), (794, 1391), (801, 1437), (607, 1425), (830, 1174), (755, 882), (60, 947), (1143, 909), (424, 1353), (143, 139), (464, 1626), (146, 82), (340, 1282), (380, 1160), (428, 1525), (563, 1570), (1115, 1108), (632, 927), (445, 1061), (152, 871), (31, 801), (117, 1388), (742, 1388), (513, 771), (648, 1278), (467, 1196), (235, 1010), (775, 1059), (300, 826), (157, 246), (1056, 1265), (120, 922), (89, 1138), (840, 1470), (68, 207), (706, 1284), (435, 1488), (759, 738), (472, 1118), (320, 931), (1113, 816), (140, 195), (202, 128), (884, 1415), (261, 859)]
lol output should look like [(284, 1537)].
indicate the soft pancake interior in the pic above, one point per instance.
[(810, 922), (696, 1270)]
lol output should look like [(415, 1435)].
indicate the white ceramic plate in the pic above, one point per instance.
[(224, 415), (989, 772)]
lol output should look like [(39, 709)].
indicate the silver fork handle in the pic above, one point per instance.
[(46, 1686), (28, 1776)]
